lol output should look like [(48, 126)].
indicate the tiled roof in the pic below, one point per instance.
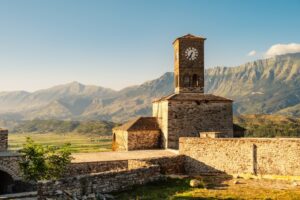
[(140, 123), (194, 97)]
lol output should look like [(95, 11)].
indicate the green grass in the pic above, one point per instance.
[(179, 189), (79, 142)]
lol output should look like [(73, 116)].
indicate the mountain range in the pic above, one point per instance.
[(270, 86)]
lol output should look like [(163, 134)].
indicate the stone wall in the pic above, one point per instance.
[(83, 186), (9, 163), (188, 118), (160, 111), (120, 140), (144, 139), (169, 164), (241, 156), (95, 167), (3, 139)]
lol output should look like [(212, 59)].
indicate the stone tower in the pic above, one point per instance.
[(189, 64), (189, 112)]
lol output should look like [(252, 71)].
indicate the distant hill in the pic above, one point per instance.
[(264, 86), (270, 86), (102, 128), (269, 125)]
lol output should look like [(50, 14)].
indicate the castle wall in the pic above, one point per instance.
[(95, 167), (189, 118), (144, 139), (241, 156), (3, 140), (88, 186), (160, 111)]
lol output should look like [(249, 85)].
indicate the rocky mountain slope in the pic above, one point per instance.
[(263, 86)]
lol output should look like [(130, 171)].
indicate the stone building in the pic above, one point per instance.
[(186, 113), (140, 133)]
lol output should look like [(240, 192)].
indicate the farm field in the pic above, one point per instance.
[(79, 142)]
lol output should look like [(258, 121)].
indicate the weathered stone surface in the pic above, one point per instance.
[(168, 165), (139, 140), (189, 73), (9, 163), (138, 172), (241, 156), (138, 134), (95, 167), (187, 118), (3, 139)]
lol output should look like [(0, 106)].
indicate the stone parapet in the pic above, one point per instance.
[(91, 185), (258, 156)]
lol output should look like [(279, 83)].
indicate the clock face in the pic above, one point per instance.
[(191, 53)]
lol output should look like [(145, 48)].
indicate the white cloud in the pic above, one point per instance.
[(252, 53), (279, 49)]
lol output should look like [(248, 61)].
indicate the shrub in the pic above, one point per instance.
[(41, 162)]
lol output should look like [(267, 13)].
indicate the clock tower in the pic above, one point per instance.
[(189, 64)]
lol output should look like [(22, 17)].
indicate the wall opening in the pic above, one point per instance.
[(6, 183), (195, 80), (186, 81)]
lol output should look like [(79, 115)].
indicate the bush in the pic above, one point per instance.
[(40, 163)]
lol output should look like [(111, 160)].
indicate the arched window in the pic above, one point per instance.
[(176, 81), (195, 80), (186, 80)]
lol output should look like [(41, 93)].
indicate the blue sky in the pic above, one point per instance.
[(117, 43)]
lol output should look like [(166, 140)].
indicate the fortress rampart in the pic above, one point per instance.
[(258, 156)]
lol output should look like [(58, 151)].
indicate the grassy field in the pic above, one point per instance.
[(213, 188), (79, 142)]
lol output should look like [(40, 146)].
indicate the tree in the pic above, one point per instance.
[(44, 162)]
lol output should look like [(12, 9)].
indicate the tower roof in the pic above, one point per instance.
[(140, 123), (194, 97), (190, 36)]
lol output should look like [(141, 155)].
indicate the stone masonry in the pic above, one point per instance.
[(187, 115), (8, 160), (189, 73), (140, 133), (3, 139), (258, 156), (91, 185)]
